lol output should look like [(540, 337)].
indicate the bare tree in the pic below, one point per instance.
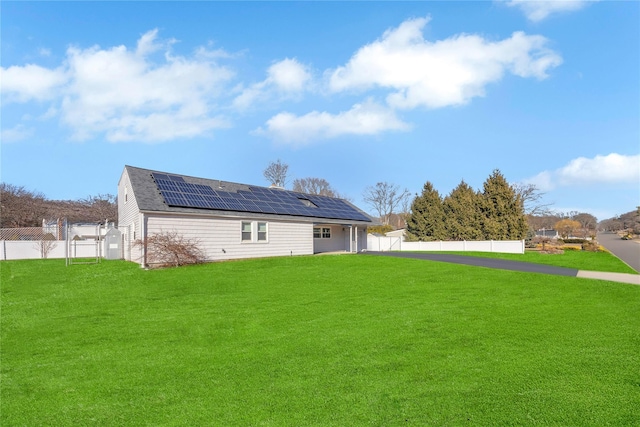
[(587, 222), (276, 173), (169, 248), (20, 207), (531, 198), (46, 245), (319, 186), (385, 197), (102, 207)]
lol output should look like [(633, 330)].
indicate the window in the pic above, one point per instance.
[(246, 231), (254, 231), (262, 231), (321, 233)]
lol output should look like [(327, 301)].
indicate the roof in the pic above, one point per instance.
[(157, 191)]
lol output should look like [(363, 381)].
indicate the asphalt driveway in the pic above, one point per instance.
[(502, 264)]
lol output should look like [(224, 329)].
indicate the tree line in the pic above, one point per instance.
[(494, 213), (499, 211), (629, 221), (20, 207)]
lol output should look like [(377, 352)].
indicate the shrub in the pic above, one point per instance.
[(574, 240), (168, 248), (591, 246), (380, 229)]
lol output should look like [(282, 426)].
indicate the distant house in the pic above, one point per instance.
[(231, 220), (546, 232), (397, 233)]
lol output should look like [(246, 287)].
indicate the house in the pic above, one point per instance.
[(547, 232), (401, 233), (231, 220)]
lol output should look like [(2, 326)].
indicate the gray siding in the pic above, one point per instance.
[(128, 219), (339, 240), (221, 239)]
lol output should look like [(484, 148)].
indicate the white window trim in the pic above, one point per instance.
[(255, 236), (322, 232)]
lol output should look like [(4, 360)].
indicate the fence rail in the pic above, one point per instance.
[(384, 243), (37, 249)]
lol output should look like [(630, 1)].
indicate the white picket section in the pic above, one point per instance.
[(385, 243), (32, 249)]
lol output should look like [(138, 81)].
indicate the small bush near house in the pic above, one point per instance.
[(574, 240), (590, 245), (171, 249), (380, 229), (571, 248)]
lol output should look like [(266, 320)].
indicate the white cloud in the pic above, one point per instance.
[(285, 79), (289, 75), (538, 10), (610, 169), (368, 118), (30, 82), (122, 94), (442, 73), (15, 134), (148, 43)]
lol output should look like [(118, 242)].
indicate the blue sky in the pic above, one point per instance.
[(352, 92)]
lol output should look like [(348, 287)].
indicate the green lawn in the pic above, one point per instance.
[(325, 341)]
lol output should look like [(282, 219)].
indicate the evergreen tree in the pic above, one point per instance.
[(502, 210), (426, 222), (462, 213)]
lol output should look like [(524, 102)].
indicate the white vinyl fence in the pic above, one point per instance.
[(384, 243), (36, 249)]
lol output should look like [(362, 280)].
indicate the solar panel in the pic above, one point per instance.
[(179, 193)]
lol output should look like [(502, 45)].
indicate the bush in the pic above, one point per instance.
[(380, 229), (590, 246), (168, 248), (574, 240)]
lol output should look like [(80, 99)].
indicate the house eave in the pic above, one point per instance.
[(245, 215)]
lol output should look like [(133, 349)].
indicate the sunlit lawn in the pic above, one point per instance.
[(328, 340)]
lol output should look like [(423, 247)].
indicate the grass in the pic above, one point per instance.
[(319, 341), (581, 260)]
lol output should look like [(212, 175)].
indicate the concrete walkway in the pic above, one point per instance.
[(503, 264)]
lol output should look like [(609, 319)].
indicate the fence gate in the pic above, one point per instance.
[(83, 251)]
